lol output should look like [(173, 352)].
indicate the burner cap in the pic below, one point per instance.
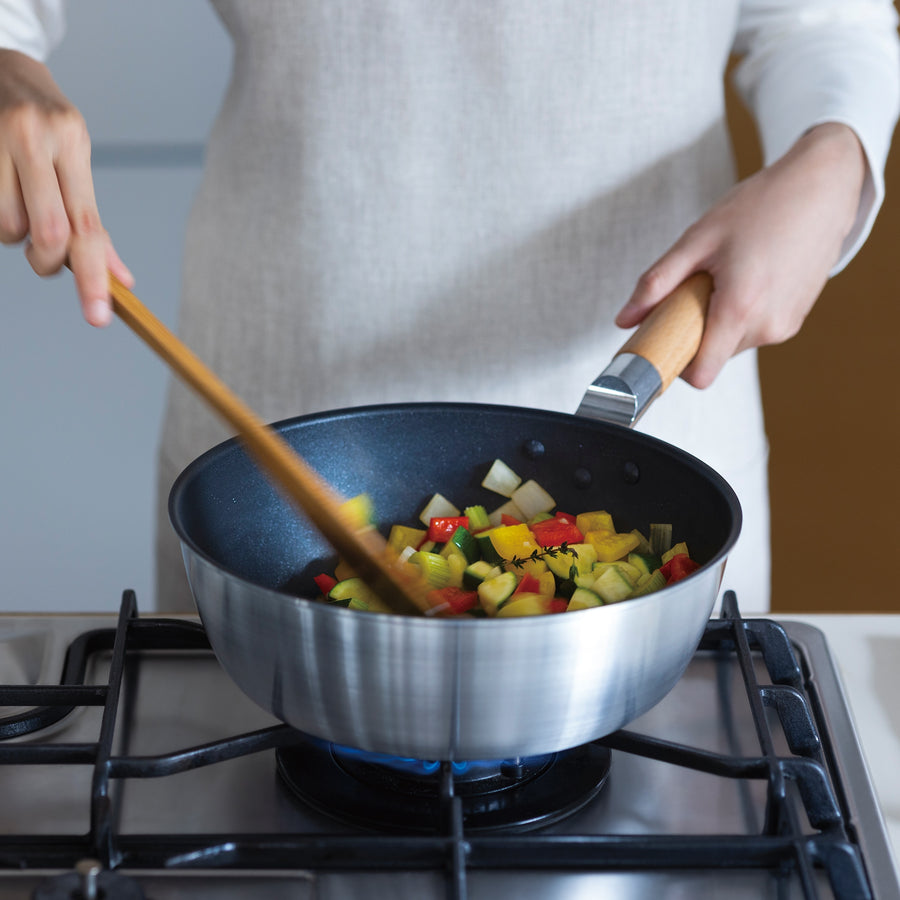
[(401, 795)]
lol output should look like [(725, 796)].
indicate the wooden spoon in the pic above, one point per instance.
[(366, 552)]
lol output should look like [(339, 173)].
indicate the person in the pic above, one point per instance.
[(409, 201)]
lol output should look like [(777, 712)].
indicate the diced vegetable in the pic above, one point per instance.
[(554, 532), (509, 509), (660, 538), (678, 567), (478, 518), (599, 520), (532, 499), (435, 568), (514, 541), (679, 548), (453, 600), (609, 545), (402, 536), (584, 598), (325, 583), (358, 512), (478, 572), (613, 585), (525, 605), (501, 479), (494, 591), (462, 541), (355, 589), (437, 507), (581, 556)]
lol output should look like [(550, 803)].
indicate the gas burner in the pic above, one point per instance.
[(387, 793), (89, 881)]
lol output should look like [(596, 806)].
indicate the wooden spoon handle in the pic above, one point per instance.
[(670, 335), (366, 552)]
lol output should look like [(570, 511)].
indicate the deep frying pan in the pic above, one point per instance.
[(447, 689)]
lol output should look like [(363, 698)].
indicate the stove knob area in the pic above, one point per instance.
[(89, 881)]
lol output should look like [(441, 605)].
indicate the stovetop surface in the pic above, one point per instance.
[(226, 829)]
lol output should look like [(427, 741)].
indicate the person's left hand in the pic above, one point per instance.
[(769, 245)]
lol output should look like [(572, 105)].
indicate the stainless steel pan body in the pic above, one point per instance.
[(447, 688)]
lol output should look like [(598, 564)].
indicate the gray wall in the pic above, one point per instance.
[(80, 408)]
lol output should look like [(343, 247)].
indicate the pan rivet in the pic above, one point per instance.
[(631, 473), (583, 478), (534, 449)]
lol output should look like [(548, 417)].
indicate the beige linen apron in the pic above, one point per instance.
[(410, 200)]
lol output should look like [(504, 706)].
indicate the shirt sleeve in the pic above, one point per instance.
[(34, 27), (805, 62)]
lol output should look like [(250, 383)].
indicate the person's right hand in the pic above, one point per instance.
[(46, 188)]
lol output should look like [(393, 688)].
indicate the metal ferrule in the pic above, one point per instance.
[(622, 391)]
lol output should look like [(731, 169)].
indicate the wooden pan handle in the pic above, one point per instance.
[(366, 552), (670, 335)]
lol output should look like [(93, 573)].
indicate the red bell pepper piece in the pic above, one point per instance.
[(506, 519), (558, 605), (441, 528), (566, 517), (678, 567), (452, 600), (325, 583), (528, 584), (556, 531)]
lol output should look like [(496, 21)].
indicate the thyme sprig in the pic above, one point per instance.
[(552, 552)]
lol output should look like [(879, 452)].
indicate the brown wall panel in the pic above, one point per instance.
[(833, 419)]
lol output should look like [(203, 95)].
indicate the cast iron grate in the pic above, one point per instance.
[(783, 846)]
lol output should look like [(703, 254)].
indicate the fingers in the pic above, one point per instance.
[(689, 255), (88, 241), (46, 185), (13, 216)]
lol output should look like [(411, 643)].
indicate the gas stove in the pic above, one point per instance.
[(131, 766)]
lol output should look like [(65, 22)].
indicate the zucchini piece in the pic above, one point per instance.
[(645, 563), (584, 599), (477, 572), (463, 540), (525, 604), (492, 592), (613, 585), (632, 573), (354, 593), (487, 549), (582, 556)]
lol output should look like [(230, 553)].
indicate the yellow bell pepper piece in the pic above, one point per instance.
[(611, 546), (514, 541), (600, 520)]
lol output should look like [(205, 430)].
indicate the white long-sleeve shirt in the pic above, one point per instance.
[(417, 201)]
